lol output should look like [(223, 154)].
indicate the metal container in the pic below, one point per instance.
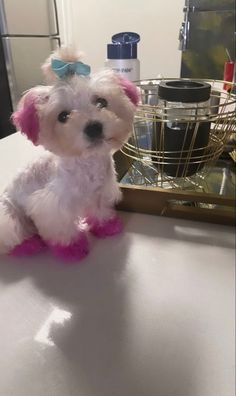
[(158, 155)]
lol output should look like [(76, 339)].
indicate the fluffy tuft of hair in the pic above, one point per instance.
[(106, 228), (75, 251), (67, 54), (28, 247)]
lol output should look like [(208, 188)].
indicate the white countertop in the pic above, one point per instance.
[(148, 313)]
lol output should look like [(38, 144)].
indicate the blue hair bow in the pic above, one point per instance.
[(63, 69)]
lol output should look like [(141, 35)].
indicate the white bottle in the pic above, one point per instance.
[(122, 55)]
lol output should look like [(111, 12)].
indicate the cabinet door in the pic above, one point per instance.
[(210, 33), (28, 17), (216, 5)]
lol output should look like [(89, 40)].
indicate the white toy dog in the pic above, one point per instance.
[(80, 121)]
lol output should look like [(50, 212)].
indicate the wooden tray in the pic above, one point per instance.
[(172, 203), (157, 201)]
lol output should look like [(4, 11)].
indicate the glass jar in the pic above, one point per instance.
[(182, 130)]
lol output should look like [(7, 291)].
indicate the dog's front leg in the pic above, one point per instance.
[(56, 223), (103, 220)]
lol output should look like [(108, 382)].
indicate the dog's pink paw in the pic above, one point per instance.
[(76, 251), (105, 228), (28, 247)]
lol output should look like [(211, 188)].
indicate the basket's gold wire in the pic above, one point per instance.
[(221, 118)]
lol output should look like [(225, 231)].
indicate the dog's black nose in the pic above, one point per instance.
[(93, 130)]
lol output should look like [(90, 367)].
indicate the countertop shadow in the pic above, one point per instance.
[(182, 230)]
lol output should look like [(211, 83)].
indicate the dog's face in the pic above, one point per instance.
[(78, 115)]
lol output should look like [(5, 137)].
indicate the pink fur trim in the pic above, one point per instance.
[(105, 228), (26, 118), (29, 247), (76, 251), (130, 89)]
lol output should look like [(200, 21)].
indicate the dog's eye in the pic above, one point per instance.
[(63, 116), (100, 103)]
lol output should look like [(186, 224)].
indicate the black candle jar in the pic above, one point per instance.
[(181, 132)]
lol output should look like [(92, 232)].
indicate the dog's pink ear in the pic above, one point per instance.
[(130, 90), (26, 118)]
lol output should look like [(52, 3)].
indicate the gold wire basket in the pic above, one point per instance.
[(151, 162)]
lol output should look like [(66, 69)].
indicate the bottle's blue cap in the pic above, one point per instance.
[(124, 46)]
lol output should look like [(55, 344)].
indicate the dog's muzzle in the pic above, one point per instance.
[(94, 130)]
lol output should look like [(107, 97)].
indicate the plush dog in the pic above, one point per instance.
[(80, 120)]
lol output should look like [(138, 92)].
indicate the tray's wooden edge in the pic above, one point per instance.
[(157, 201)]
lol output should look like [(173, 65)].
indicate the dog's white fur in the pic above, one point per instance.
[(75, 177)]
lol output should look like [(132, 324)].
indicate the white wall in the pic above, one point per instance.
[(90, 24)]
